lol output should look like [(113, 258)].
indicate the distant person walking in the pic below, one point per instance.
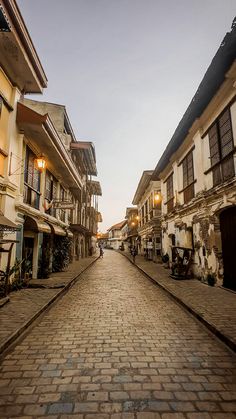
[(101, 252), (134, 253)]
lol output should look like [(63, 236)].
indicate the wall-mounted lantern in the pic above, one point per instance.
[(40, 163), (157, 197)]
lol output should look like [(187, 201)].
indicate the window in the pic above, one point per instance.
[(146, 212), (50, 191), (170, 193), (188, 177), (62, 199), (31, 180), (221, 148)]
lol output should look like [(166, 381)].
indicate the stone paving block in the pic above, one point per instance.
[(86, 407), (35, 409), (173, 367)]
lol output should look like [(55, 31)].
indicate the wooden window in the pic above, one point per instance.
[(188, 177), (146, 211), (221, 148), (31, 180), (50, 191), (170, 193), (170, 187), (62, 199)]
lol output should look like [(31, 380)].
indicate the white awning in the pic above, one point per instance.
[(34, 224)]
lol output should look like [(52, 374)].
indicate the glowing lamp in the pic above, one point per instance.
[(40, 163), (157, 197)]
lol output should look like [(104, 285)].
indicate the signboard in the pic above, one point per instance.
[(63, 205), (149, 245)]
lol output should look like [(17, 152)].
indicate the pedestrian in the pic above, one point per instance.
[(101, 252), (134, 253)]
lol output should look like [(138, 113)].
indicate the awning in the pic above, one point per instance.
[(34, 224), (7, 225), (58, 230)]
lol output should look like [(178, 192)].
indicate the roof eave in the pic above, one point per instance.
[(210, 84), (36, 78)]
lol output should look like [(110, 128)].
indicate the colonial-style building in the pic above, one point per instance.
[(132, 227), (147, 198), (47, 191), (57, 206), (20, 72), (117, 235), (197, 172)]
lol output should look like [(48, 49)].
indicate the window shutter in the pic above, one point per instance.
[(185, 173), (190, 168), (169, 188), (228, 168), (188, 175), (214, 145), (226, 136), (216, 174)]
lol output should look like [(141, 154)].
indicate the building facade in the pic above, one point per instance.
[(56, 207), (20, 72), (117, 235), (48, 197), (148, 200), (197, 172), (132, 227)]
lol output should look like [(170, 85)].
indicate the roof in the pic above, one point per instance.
[(130, 210), (118, 226), (210, 84), (57, 112), (18, 57), (41, 129), (142, 186)]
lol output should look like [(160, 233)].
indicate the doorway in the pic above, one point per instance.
[(228, 234), (27, 256)]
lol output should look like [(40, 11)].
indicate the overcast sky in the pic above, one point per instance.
[(126, 71)]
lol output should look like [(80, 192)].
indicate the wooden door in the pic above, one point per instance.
[(228, 235)]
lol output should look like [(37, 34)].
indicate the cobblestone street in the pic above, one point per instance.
[(117, 346)]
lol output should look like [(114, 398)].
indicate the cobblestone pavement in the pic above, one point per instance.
[(28, 302), (116, 346), (215, 305)]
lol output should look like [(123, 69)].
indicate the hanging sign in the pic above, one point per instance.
[(63, 205)]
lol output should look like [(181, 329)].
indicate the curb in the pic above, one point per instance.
[(4, 301), (225, 339), (25, 325)]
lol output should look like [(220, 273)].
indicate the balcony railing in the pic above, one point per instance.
[(31, 196)]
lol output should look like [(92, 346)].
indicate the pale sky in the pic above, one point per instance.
[(126, 71)]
